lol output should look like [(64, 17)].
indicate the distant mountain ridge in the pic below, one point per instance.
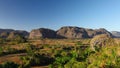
[(70, 32), (94, 32), (5, 33)]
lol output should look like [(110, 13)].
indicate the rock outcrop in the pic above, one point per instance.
[(99, 40), (92, 33), (42, 33), (13, 35), (16, 37), (72, 32), (116, 34)]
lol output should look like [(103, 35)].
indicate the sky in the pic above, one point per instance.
[(53, 14)]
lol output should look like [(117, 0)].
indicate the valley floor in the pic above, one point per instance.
[(63, 53)]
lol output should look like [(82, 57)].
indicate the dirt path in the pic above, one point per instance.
[(11, 57), (16, 58)]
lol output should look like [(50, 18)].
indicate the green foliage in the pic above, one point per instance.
[(73, 63), (33, 57), (26, 61), (20, 39), (30, 49), (17, 39), (8, 50), (107, 57), (79, 43), (60, 56), (10, 65), (1, 50), (36, 59), (2, 40), (71, 58)]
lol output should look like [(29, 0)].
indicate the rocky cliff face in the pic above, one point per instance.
[(72, 32), (95, 32), (116, 34), (99, 41), (42, 33), (67, 32), (64, 32), (14, 35)]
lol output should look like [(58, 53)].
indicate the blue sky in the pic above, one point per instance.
[(32, 14)]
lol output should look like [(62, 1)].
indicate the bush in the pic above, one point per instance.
[(2, 40), (36, 59), (10, 65), (73, 63), (107, 57)]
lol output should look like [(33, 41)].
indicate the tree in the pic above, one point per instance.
[(10, 65)]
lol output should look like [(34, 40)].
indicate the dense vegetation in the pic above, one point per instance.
[(61, 56)]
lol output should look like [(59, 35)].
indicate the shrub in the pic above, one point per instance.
[(1, 50), (10, 65), (106, 58), (16, 38), (2, 40), (73, 63)]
